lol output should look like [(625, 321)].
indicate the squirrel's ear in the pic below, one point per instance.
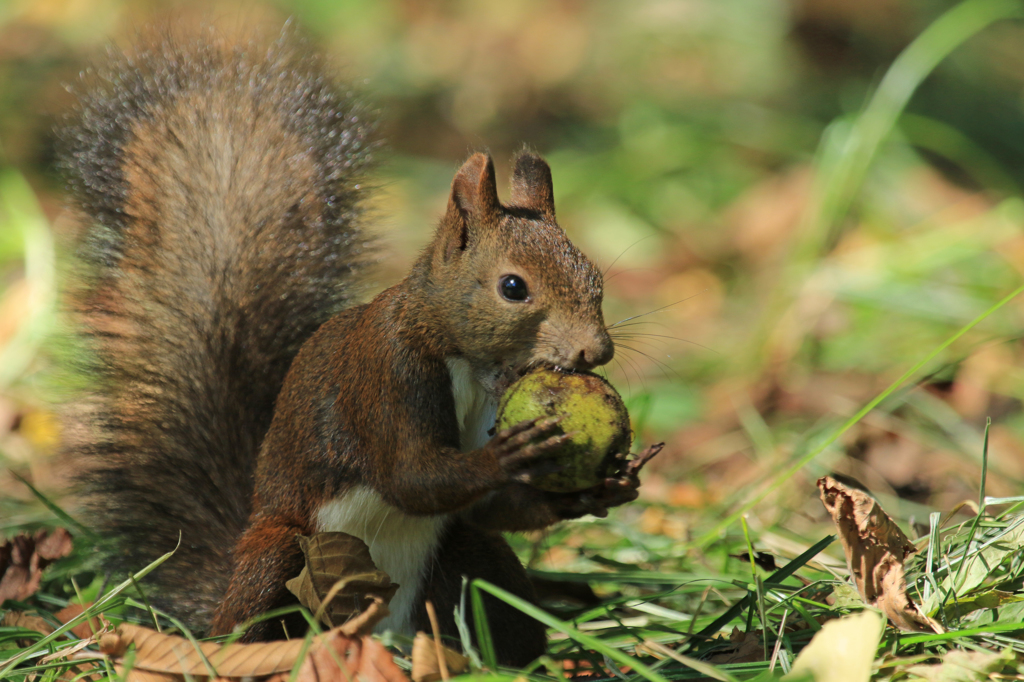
[(474, 200), (474, 192), (531, 184)]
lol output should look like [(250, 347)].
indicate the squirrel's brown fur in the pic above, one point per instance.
[(219, 189), (222, 191)]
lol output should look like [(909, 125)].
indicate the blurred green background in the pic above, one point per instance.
[(779, 295)]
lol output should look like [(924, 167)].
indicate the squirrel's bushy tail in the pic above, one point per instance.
[(219, 191)]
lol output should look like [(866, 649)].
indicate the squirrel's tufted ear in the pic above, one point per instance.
[(531, 184), (474, 192), (473, 201)]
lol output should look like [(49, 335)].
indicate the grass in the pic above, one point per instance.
[(671, 624), (668, 600)]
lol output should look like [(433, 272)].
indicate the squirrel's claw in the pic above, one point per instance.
[(518, 450), (618, 489)]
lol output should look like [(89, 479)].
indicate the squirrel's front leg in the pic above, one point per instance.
[(433, 480), (521, 507), (265, 557)]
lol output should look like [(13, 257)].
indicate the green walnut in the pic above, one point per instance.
[(591, 409)]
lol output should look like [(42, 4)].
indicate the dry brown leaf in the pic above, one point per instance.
[(425, 666), (23, 559), (32, 622), (170, 658), (136, 675), (85, 629), (171, 654), (20, 619), (337, 658), (747, 647), (875, 551), (339, 573)]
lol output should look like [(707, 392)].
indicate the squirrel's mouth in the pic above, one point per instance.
[(506, 376)]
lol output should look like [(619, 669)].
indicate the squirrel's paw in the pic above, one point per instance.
[(618, 489), (520, 449)]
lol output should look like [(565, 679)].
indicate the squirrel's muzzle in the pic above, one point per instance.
[(595, 352)]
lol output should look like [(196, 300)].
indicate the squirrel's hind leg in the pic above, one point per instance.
[(266, 556), (466, 550)]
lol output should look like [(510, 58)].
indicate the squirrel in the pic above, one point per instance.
[(243, 398)]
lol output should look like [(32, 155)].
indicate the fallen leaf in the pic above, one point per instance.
[(339, 579), (156, 652), (875, 550), (85, 629), (747, 647), (23, 559), (337, 658), (425, 666), (29, 621), (332, 656), (842, 651), (20, 619)]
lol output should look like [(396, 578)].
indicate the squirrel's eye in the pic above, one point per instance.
[(513, 288)]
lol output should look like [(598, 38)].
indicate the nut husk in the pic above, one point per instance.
[(591, 409)]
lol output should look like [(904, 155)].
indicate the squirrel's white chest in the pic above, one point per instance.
[(475, 409), (402, 545)]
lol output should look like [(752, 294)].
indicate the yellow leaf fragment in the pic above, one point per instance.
[(875, 550), (842, 651)]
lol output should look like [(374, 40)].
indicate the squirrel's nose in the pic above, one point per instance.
[(596, 353)]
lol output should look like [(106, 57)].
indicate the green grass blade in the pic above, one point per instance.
[(848, 163), (586, 640), (847, 149), (957, 634), (484, 641), (66, 518), (90, 612), (774, 579), (981, 512)]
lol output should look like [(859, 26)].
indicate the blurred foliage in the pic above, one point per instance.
[(683, 137)]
